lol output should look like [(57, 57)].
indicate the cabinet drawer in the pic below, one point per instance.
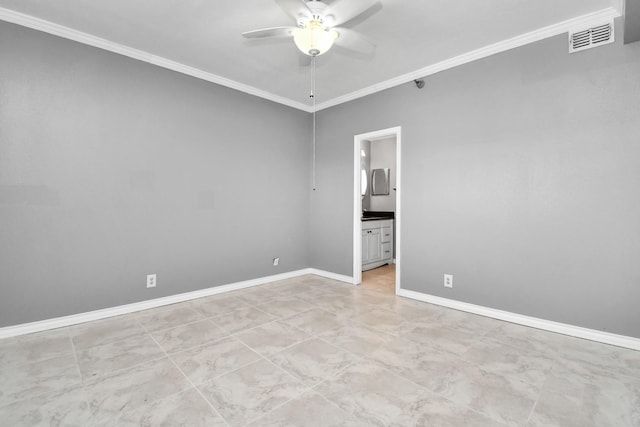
[(386, 251), (368, 225), (386, 234)]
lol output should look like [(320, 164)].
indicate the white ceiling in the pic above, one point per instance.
[(413, 38)]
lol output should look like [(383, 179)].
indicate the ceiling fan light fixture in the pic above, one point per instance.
[(313, 39)]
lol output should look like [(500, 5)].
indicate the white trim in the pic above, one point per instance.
[(357, 199), (357, 209), (502, 46), (330, 275), (74, 319), (91, 40), (534, 322), (398, 214), (540, 34)]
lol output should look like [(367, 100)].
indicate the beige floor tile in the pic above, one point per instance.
[(411, 309), (104, 359), (256, 295), (526, 338), (316, 321), (448, 339), (187, 408), (132, 388), (374, 298), (272, 337), (503, 398), (374, 395), (308, 410), (383, 320), (188, 336), (313, 360), (358, 339), (577, 395), (287, 287), (380, 398), (250, 392), (34, 347), (285, 306), (18, 382), (528, 366), (434, 367), (338, 303), (601, 357), (217, 305), (203, 363), (168, 317), (65, 407), (242, 318), (421, 363), (465, 322), (105, 331), (436, 411)]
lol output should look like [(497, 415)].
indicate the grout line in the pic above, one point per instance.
[(190, 382), (75, 356), (82, 382), (305, 390)]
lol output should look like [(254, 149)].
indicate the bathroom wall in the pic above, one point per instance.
[(383, 155), (365, 164)]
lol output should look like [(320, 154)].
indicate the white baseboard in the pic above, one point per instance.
[(534, 322), (74, 319), (334, 276)]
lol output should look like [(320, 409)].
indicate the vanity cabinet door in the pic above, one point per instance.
[(365, 246), (374, 249)]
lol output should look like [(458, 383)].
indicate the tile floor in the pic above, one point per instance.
[(313, 352)]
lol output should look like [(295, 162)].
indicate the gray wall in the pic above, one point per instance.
[(631, 21), (111, 169), (383, 155), (520, 177), (365, 164)]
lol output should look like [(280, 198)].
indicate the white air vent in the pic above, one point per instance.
[(591, 37)]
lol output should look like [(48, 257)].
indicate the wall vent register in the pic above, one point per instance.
[(591, 37)]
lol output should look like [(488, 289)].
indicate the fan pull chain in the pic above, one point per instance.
[(313, 110)]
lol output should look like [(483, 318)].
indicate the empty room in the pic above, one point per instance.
[(320, 213)]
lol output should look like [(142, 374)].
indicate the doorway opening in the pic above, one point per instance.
[(362, 184)]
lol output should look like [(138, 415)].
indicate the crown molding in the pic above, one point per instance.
[(91, 40), (486, 51), (583, 21)]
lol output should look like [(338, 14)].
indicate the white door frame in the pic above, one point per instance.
[(357, 199)]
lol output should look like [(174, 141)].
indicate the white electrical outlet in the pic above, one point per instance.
[(276, 261), (151, 280), (448, 280)]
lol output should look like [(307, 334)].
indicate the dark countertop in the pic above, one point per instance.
[(374, 218), (377, 215)]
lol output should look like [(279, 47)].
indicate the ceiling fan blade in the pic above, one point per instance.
[(269, 32), (354, 41), (294, 8), (342, 11)]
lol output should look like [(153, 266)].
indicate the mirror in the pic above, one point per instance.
[(380, 182)]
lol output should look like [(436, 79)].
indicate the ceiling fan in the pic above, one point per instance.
[(318, 25)]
